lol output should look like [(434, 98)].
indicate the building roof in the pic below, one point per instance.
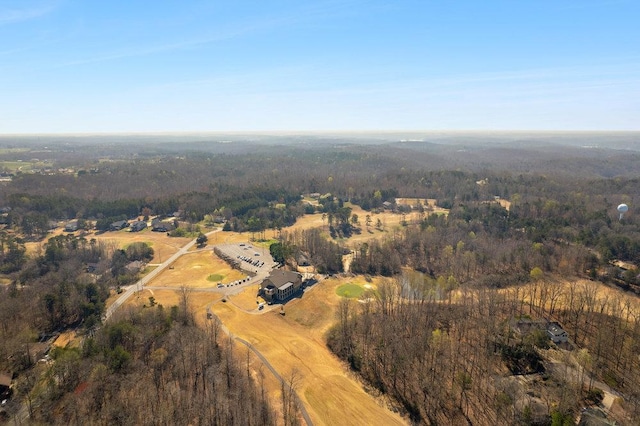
[(134, 266), (555, 330), (280, 278), (286, 286), (158, 224), (5, 379)]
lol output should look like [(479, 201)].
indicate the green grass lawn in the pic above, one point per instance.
[(16, 165), (350, 290), (215, 277)]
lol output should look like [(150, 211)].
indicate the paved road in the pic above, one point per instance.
[(151, 275), (301, 406)]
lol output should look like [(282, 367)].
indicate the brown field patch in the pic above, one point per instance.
[(428, 203), (67, 339), (198, 300), (504, 203), (193, 269), (247, 298), (601, 292), (163, 246)]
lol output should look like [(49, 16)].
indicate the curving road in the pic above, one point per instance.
[(264, 360)]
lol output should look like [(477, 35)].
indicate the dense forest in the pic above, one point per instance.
[(152, 367), (413, 337), (438, 336)]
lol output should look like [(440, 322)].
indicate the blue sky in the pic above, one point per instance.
[(152, 66)]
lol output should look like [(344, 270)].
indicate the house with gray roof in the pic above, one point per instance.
[(118, 225), (556, 333), (138, 226)]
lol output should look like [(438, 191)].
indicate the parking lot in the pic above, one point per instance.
[(246, 257)]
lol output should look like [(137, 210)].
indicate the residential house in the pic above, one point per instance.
[(556, 333), (116, 226), (280, 285), (71, 226), (161, 226), (138, 226), (134, 267)]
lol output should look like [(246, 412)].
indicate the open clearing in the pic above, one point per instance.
[(163, 246), (247, 298), (194, 269), (67, 339), (168, 298), (428, 203)]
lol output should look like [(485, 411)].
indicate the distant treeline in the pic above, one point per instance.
[(253, 193)]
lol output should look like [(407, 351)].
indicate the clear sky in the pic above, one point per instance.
[(137, 66)]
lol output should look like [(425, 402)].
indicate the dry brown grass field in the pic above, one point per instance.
[(168, 298), (247, 298), (193, 269), (67, 339), (294, 342), (601, 292), (428, 203), (163, 246)]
